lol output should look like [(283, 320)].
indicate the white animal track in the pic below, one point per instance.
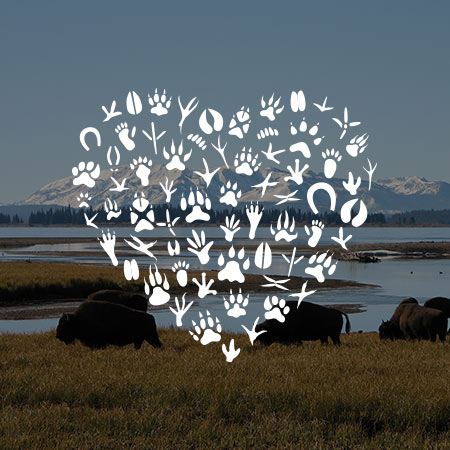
[(236, 304), (159, 104), (231, 227), (131, 270), (197, 140), (217, 121), (180, 269), (108, 243), (240, 123), (254, 214), (111, 209), (86, 173), (357, 145), (176, 158), (160, 288), (246, 163), (230, 194), (266, 132), (331, 158), (284, 230), (322, 261), (271, 108), (142, 214), (204, 288), (196, 201), (296, 174), (302, 146), (232, 270), (207, 330), (125, 136), (275, 308), (351, 186), (316, 230), (199, 247), (142, 167), (84, 199)]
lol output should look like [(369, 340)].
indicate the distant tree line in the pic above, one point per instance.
[(7, 219), (421, 216)]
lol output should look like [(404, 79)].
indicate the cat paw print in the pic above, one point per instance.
[(207, 330), (180, 269), (240, 123), (275, 308), (230, 194), (176, 157), (86, 174), (196, 201), (315, 233), (284, 230), (322, 261), (142, 167), (246, 163), (236, 304), (232, 270), (125, 136), (302, 146), (111, 209), (142, 214), (271, 108), (84, 199), (159, 294), (160, 104), (357, 145), (331, 158)]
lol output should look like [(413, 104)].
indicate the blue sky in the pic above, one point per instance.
[(62, 60)]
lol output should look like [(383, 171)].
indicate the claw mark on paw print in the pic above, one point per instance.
[(357, 145), (207, 330), (266, 132), (84, 199), (86, 173), (275, 308), (176, 158), (232, 270), (302, 146), (322, 261), (271, 108), (142, 166), (125, 136), (159, 104), (160, 287), (142, 214), (180, 269), (196, 201), (197, 140), (236, 304), (230, 194), (240, 123), (111, 209), (331, 158), (315, 233), (246, 163), (284, 230)]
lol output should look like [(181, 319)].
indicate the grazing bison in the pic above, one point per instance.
[(389, 330), (130, 299), (440, 303), (308, 322), (98, 324)]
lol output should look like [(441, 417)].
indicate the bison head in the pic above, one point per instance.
[(388, 330), (66, 328)]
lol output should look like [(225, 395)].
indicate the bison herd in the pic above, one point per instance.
[(113, 317)]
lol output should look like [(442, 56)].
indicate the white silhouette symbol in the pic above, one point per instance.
[(204, 287), (141, 246), (111, 113), (245, 163), (270, 155), (217, 123), (95, 132), (142, 166), (330, 165), (196, 200), (160, 105), (84, 199), (357, 145), (279, 284), (180, 269), (287, 198), (134, 104), (167, 189), (108, 243), (232, 270), (86, 173), (370, 172), (297, 173), (324, 187), (230, 194), (109, 159), (254, 214), (284, 230), (302, 146), (131, 270), (120, 187), (125, 137), (340, 240), (346, 213), (199, 247), (160, 287), (323, 107), (207, 331), (323, 261), (236, 304), (221, 150), (176, 158), (263, 256), (345, 124), (271, 109), (207, 176), (154, 138), (231, 227), (298, 101), (142, 214), (302, 295), (352, 186), (173, 250), (197, 140), (252, 334), (292, 261), (181, 310), (265, 184), (240, 123), (316, 230), (169, 223), (111, 209), (90, 222), (231, 353), (185, 112), (275, 308), (266, 132)]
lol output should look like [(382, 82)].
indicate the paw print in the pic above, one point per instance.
[(196, 201), (142, 214), (159, 104), (207, 330), (160, 288), (142, 166), (271, 109), (267, 132), (180, 268), (275, 309), (323, 261), (232, 270), (199, 247), (125, 137), (331, 158), (86, 173), (245, 163), (240, 123), (302, 146), (84, 199), (231, 227), (357, 145), (235, 305), (316, 230), (284, 230), (230, 194), (111, 209), (176, 158)]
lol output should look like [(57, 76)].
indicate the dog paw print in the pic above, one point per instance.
[(196, 201), (275, 308), (284, 230), (236, 304), (160, 287), (315, 233), (111, 209), (271, 108), (302, 146), (322, 261), (84, 199), (176, 157), (142, 214), (331, 158), (86, 173), (125, 136), (207, 330), (240, 123), (267, 132), (357, 145), (160, 104), (180, 269), (230, 194), (142, 167), (232, 270), (246, 163)]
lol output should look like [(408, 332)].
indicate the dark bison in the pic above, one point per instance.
[(99, 324), (308, 322), (130, 299), (440, 303)]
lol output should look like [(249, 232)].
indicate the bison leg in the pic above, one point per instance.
[(138, 344), (324, 339), (336, 340)]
